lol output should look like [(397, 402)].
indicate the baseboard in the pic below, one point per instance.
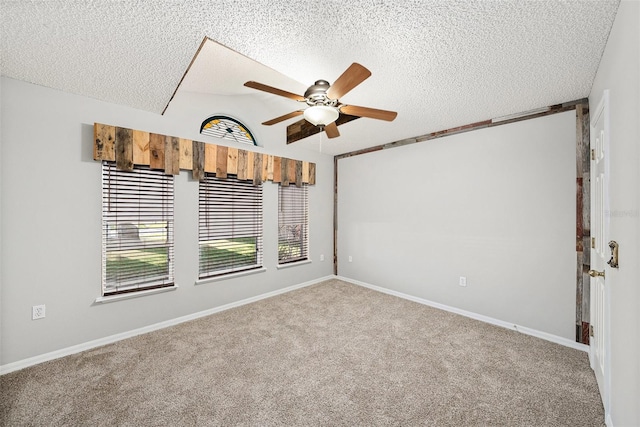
[(25, 363), (533, 332), (21, 364)]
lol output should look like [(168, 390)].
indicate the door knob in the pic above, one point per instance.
[(596, 273), (613, 262)]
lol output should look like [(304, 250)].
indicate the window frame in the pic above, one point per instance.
[(230, 221), (141, 199), (293, 218)]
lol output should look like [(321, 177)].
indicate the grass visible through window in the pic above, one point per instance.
[(136, 252), (219, 255), (136, 263), (288, 251)]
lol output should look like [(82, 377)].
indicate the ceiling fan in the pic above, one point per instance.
[(323, 101)]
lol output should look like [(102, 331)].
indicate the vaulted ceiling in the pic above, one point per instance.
[(439, 64)]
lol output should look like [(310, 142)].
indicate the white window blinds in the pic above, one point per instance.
[(230, 226), (137, 229), (293, 223)]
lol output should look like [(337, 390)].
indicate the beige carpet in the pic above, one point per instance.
[(329, 354)]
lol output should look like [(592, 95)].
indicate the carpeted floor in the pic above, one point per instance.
[(329, 354)]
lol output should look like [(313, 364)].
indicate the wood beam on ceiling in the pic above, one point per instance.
[(553, 109)]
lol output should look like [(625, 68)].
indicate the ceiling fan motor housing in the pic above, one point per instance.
[(317, 94)]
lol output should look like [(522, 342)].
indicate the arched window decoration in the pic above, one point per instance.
[(226, 127)]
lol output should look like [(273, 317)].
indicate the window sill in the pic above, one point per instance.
[(293, 264), (129, 295), (229, 276)]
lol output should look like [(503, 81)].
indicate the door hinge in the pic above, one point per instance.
[(591, 330), (593, 243), (593, 154)]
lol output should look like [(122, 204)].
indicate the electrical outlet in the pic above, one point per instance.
[(463, 281), (38, 312), (350, 258), (321, 257)]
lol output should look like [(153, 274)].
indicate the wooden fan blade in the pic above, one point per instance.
[(352, 77), (332, 130), (282, 118), (273, 90), (371, 113)]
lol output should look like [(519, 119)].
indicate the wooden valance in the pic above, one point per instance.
[(128, 147)]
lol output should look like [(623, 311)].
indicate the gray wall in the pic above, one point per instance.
[(453, 203), (495, 205), (51, 210), (620, 73)]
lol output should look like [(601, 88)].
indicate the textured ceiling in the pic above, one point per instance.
[(440, 64)]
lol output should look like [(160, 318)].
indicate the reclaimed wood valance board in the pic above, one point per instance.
[(128, 147)]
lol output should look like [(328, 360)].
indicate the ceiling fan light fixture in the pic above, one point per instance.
[(321, 115)]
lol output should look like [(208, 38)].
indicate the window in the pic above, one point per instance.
[(226, 127), (293, 224), (229, 226), (137, 229)]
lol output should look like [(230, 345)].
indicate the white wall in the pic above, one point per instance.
[(619, 72), (495, 205), (51, 212)]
